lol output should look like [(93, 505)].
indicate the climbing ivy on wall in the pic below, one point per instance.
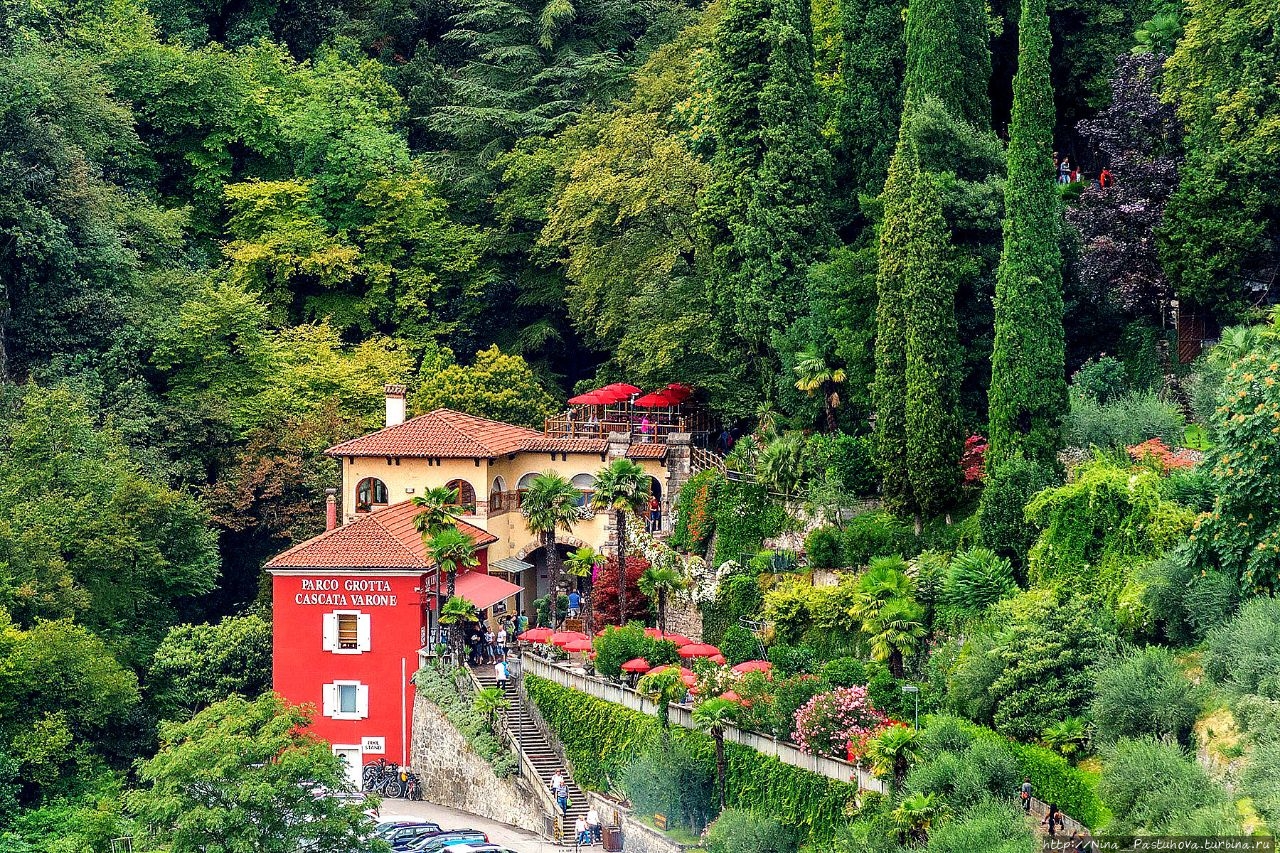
[(745, 515), (599, 738), (695, 521)]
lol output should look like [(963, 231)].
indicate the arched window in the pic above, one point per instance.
[(586, 484), (522, 486), (370, 492), (466, 495)]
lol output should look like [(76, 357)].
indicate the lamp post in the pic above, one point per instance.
[(915, 692)]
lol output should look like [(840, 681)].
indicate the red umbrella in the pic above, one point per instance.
[(718, 660), (536, 635), (731, 696), (678, 392), (699, 650), (636, 665), (618, 392), (591, 398), (753, 666), (582, 645), (678, 639), (655, 400), (689, 680), (564, 638)]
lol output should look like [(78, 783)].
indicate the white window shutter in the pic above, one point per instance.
[(364, 632), (330, 638), (330, 699), (362, 700)]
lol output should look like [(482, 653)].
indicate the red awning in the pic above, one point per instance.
[(484, 591)]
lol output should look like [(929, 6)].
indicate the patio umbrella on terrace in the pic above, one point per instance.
[(636, 665), (753, 666), (578, 646), (699, 650), (564, 638), (536, 635), (718, 660)]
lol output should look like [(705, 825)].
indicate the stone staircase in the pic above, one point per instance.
[(535, 746)]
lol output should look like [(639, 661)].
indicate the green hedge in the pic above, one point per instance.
[(745, 515), (599, 738), (1052, 778)]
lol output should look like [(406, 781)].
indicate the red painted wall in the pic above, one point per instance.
[(301, 665)]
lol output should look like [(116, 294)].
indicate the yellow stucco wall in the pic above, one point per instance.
[(412, 477)]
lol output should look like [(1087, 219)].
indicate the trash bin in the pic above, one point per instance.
[(613, 839)]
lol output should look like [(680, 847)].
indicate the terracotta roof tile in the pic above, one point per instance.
[(443, 434), (647, 451), (549, 444), (385, 539)]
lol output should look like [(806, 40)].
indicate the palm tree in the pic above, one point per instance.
[(814, 374), (582, 564), (452, 551), (489, 702), (893, 751), (551, 502), (884, 580), (435, 515), (656, 582), (622, 487), (895, 633), (1067, 737), (663, 686), (916, 815), (457, 611), (781, 465), (711, 717)]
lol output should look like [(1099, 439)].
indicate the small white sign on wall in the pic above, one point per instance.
[(374, 745)]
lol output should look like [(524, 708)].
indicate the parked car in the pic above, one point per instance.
[(408, 833), (439, 841), (475, 848)]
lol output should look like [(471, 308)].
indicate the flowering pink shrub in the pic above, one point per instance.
[(973, 458), (838, 723)]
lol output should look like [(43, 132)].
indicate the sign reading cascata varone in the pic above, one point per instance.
[(349, 592)]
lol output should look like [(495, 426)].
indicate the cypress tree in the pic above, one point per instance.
[(768, 200), (870, 105), (889, 389), (933, 436), (1028, 386), (949, 57)]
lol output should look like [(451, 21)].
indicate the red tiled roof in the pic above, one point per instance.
[(443, 434), (646, 451), (385, 539), (446, 434), (549, 444)]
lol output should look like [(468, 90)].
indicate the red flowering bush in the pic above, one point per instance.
[(973, 459), (604, 595), (1157, 453), (838, 723)]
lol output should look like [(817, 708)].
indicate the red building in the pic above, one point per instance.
[(351, 608)]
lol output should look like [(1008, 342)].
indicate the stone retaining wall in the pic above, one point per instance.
[(455, 776), (684, 617), (637, 837)]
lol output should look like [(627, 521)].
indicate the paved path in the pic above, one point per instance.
[(499, 833)]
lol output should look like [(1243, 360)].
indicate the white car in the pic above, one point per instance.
[(476, 848)]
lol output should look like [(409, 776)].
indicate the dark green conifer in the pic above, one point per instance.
[(870, 105), (933, 435), (1028, 387), (889, 390), (767, 204), (949, 57)]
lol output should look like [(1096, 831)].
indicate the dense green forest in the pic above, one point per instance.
[(225, 224)]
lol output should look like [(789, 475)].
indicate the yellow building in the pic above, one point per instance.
[(490, 464)]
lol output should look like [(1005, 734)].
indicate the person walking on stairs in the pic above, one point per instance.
[(580, 832)]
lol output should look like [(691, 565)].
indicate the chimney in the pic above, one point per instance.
[(395, 404), (330, 509)]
